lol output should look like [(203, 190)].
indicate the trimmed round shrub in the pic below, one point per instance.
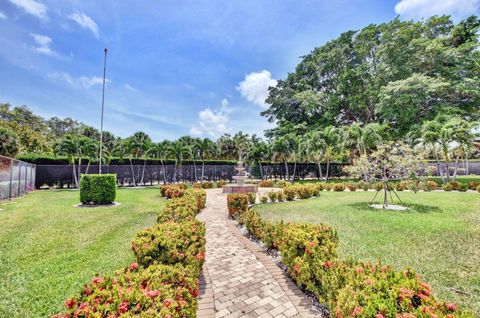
[(272, 196), (263, 199), (462, 187), (252, 197), (328, 186), (197, 185), (363, 185), (280, 196), (237, 202), (352, 186), (338, 187), (430, 185), (265, 184), (447, 187), (282, 183), (98, 188), (289, 193), (221, 183), (207, 185)]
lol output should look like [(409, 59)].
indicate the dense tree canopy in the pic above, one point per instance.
[(399, 74)]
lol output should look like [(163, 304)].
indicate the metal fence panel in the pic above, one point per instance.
[(16, 178)]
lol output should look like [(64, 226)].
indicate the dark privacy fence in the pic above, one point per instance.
[(63, 175), (16, 178)]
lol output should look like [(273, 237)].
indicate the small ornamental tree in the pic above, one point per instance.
[(391, 161)]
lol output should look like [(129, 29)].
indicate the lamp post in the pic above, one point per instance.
[(103, 104)]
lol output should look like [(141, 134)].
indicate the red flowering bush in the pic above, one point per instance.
[(171, 243), (157, 291), (350, 288), (237, 202)]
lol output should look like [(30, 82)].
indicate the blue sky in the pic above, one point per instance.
[(174, 67)]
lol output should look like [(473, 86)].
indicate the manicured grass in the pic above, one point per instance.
[(439, 236), (50, 249)]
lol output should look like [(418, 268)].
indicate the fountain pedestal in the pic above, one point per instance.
[(240, 186)]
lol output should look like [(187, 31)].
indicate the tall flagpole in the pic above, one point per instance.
[(103, 105)]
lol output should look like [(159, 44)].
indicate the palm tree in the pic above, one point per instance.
[(159, 151), (331, 144), (205, 149), (281, 152), (258, 152), (138, 144), (314, 149), (90, 150), (430, 137), (68, 146), (177, 151)]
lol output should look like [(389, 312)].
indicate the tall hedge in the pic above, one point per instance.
[(98, 188)]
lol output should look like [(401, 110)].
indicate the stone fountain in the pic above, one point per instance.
[(240, 186)]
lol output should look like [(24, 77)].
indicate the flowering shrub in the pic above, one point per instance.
[(164, 280), (221, 183), (207, 185), (265, 184), (401, 186), (328, 186), (157, 291), (197, 185), (377, 186), (282, 183), (290, 193), (272, 195), (447, 187), (429, 185), (338, 187), (252, 197), (350, 288), (363, 185), (171, 243), (352, 186), (462, 187), (280, 196), (473, 185), (237, 202)]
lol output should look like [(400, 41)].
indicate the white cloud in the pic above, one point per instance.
[(2, 16), (43, 44), (417, 9), (255, 87), (212, 122), (130, 88), (32, 7), (85, 22), (79, 82)]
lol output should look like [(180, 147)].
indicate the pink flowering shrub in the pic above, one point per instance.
[(156, 291), (171, 243), (350, 288)]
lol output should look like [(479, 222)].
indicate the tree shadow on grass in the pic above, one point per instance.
[(412, 207)]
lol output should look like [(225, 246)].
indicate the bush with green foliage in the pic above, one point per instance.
[(171, 243), (221, 183), (290, 193), (207, 185), (265, 184), (237, 202), (351, 288), (478, 189), (263, 199), (338, 187), (352, 186), (156, 291), (280, 196), (447, 187), (363, 185), (252, 197), (98, 188), (272, 196), (282, 183)]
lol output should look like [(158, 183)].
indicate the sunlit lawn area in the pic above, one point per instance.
[(439, 236), (49, 249)]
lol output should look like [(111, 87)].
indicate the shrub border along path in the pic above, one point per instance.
[(239, 279)]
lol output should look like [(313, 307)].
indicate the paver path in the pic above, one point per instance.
[(239, 280)]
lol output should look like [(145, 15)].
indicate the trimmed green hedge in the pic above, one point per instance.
[(98, 188)]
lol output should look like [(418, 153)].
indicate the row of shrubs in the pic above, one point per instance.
[(163, 282), (350, 288), (412, 185)]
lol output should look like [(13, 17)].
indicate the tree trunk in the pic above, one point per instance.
[(175, 174), (195, 171), (320, 176), (287, 175), (164, 174), (79, 168), (88, 167), (456, 169), (133, 173), (294, 170), (385, 197), (143, 170), (261, 170), (328, 169), (203, 169), (75, 175)]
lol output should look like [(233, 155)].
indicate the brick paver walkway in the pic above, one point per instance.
[(238, 279)]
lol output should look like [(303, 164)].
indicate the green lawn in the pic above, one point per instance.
[(50, 249), (439, 236)]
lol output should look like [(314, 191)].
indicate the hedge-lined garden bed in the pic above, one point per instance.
[(351, 288), (163, 282)]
